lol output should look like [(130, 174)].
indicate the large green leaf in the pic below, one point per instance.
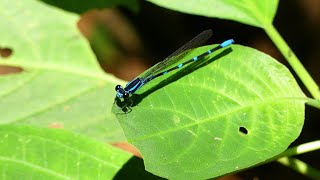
[(62, 83), (81, 6), (34, 153), (252, 12), (216, 117)]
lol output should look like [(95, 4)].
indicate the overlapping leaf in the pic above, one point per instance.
[(253, 12), (61, 84), (34, 153)]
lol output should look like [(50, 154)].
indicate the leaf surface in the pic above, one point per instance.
[(253, 12), (61, 84), (34, 153), (232, 110)]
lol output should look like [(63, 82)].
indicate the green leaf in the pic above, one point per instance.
[(35, 153), (216, 117), (81, 6), (252, 12), (62, 84)]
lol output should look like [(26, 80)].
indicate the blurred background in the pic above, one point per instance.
[(126, 43)]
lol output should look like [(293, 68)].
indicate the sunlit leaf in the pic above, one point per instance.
[(34, 153), (252, 12), (61, 84), (214, 118)]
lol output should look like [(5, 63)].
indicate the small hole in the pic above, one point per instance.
[(243, 130), (5, 52)]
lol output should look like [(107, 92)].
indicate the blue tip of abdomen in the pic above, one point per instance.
[(227, 43)]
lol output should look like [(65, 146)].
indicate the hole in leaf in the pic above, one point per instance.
[(5, 52), (243, 130), (9, 70)]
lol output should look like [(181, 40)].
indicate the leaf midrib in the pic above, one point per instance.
[(63, 101), (46, 170), (66, 146), (51, 67), (196, 123)]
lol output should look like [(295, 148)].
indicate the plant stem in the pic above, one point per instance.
[(302, 148), (313, 102), (293, 61), (300, 167)]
